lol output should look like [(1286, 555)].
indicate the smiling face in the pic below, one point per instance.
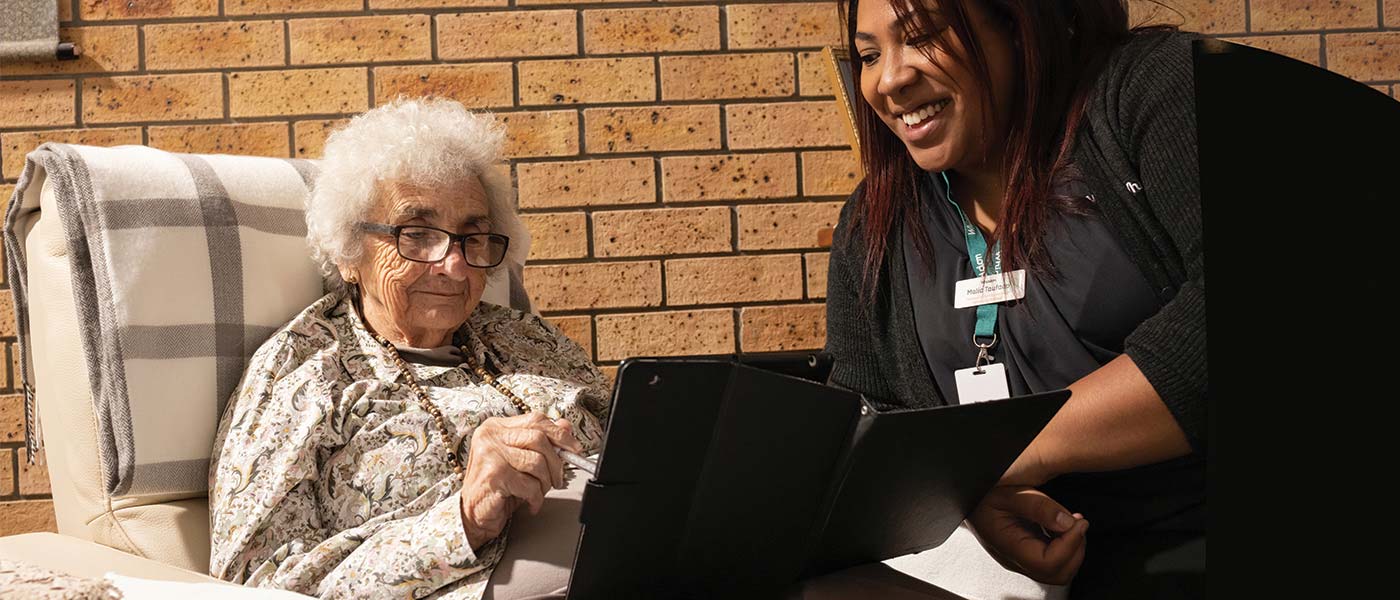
[(416, 303), (932, 102)]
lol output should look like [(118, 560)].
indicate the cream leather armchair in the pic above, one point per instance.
[(170, 531)]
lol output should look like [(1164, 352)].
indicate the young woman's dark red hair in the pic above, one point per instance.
[(1060, 46)]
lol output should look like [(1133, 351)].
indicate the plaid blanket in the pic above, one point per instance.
[(28, 30), (182, 266)]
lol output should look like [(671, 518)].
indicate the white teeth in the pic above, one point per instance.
[(915, 117)]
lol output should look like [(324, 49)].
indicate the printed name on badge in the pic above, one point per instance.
[(990, 289)]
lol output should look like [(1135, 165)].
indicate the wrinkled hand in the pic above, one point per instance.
[(512, 460), (1008, 522)]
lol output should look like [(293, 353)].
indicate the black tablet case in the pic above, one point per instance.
[(738, 476)]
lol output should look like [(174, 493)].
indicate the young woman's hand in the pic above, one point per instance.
[(512, 461), (1012, 522)]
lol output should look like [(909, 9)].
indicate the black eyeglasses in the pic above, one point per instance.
[(420, 243)]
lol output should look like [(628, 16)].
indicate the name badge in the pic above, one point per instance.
[(990, 289), (980, 384)]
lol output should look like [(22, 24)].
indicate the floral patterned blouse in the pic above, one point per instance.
[(328, 478)]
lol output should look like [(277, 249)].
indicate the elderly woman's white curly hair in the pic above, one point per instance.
[(420, 142)]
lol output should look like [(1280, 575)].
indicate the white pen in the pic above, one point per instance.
[(579, 462)]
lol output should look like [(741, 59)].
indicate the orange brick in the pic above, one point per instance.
[(829, 173), (784, 226), (665, 333), (105, 50), (609, 371), (661, 231), (785, 125), (579, 329), (779, 328), (1293, 15), (1306, 47), (273, 7), (309, 137), (475, 86), (1392, 13), (33, 479), (540, 2), (7, 472), (506, 34), (733, 279), (65, 11), (726, 76), (635, 30), (153, 98), (298, 92), (14, 146), (557, 235), (1205, 16), (378, 4), (801, 25), (586, 183), (214, 45), (360, 39), (98, 10), (813, 74), (7, 315), (37, 103), (651, 128), (548, 133), (12, 410), (587, 80), (594, 285), (816, 273), (249, 139), (1365, 56), (728, 177), (27, 516)]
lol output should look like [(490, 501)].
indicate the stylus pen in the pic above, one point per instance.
[(579, 462)]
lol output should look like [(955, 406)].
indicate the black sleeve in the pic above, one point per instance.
[(1156, 110), (848, 340)]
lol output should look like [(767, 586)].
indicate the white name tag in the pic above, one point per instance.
[(990, 289), (988, 384)]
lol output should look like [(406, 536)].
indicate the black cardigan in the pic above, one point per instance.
[(1137, 153)]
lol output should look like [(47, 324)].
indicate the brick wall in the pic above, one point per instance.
[(675, 159)]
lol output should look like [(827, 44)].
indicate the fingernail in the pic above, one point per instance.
[(1064, 520)]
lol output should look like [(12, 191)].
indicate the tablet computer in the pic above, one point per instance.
[(740, 475)]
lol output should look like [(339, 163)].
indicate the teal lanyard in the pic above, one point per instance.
[(977, 254)]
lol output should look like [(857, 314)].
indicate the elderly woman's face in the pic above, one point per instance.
[(422, 302)]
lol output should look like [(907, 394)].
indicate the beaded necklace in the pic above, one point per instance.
[(426, 401)]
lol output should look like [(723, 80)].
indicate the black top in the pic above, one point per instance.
[(1064, 328), (1067, 325)]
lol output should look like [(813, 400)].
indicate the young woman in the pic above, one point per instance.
[(1051, 144)]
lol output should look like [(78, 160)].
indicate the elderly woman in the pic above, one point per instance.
[(380, 441)]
